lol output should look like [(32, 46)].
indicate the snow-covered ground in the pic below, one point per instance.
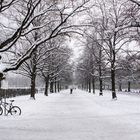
[(77, 116)]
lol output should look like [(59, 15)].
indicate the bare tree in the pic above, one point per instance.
[(136, 2), (61, 14), (54, 66), (86, 69), (109, 26)]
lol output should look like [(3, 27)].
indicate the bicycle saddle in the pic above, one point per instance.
[(12, 100)]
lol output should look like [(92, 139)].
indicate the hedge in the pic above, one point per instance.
[(7, 93)]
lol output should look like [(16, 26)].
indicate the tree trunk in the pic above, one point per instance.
[(113, 61), (51, 87), (46, 85), (113, 73), (33, 65), (89, 86), (33, 77), (33, 89), (100, 74), (93, 84), (58, 87), (100, 81), (129, 86), (55, 85), (101, 87), (113, 83)]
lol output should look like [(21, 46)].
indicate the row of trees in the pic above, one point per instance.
[(33, 37), (109, 56), (49, 62)]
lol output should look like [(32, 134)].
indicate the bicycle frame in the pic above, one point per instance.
[(7, 106)]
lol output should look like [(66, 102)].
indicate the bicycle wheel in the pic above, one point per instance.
[(15, 110), (1, 110)]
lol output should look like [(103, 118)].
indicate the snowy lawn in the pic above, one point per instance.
[(77, 116)]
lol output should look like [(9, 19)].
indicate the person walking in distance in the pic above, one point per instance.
[(71, 89)]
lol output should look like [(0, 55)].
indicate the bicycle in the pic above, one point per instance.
[(9, 108)]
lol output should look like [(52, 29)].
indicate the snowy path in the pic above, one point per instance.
[(80, 116)]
